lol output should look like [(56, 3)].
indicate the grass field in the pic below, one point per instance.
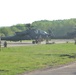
[(16, 60)]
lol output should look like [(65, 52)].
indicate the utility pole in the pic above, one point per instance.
[(75, 34), (0, 43)]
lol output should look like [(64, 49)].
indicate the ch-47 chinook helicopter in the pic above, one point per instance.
[(30, 33)]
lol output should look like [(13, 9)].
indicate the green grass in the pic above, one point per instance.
[(16, 60)]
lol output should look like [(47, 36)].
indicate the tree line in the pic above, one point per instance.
[(60, 28)]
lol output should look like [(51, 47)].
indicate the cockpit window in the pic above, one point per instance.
[(43, 32)]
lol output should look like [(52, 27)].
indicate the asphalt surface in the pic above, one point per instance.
[(65, 70), (56, 41), (12, 44)]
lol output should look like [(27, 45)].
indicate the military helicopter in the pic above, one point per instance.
[(73, 33), (31, 33)]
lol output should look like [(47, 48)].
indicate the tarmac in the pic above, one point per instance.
[(28, 43), (64, 70)]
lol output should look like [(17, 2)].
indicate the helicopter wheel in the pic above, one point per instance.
[(36, 41), (33, 42)]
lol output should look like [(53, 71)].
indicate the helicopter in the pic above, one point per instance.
[(30, 33), (73, 33)]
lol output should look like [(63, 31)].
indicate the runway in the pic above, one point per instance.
[(12, 44), (28, 43), (65, 70)]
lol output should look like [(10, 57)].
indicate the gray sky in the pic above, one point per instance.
[(27, 11)]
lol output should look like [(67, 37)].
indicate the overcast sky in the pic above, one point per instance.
[(27, 11)]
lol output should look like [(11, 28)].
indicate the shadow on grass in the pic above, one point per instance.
[(47, 54), (73, 55), (2, 71), (68, 55)]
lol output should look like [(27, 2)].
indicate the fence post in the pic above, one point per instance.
[(0, 43)]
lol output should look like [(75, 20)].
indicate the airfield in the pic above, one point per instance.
[(28, 43)]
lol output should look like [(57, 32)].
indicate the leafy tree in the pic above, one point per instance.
[(60, 28)]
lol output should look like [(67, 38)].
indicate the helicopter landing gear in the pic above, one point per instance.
[(35, 42)]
